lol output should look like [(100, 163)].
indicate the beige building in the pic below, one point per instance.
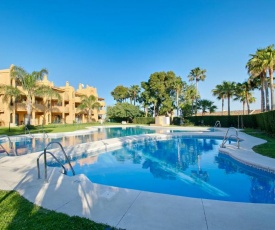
[(48, 110)]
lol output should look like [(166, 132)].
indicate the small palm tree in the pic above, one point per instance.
[(205, 105), (88, 104)]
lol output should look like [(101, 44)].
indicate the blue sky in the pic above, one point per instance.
[(112, 42)]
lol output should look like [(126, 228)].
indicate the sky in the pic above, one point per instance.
[(122, 42)]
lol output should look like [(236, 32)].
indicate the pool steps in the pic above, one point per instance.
[(45, 152)]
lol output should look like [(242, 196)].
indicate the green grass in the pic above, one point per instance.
[(18, 213), (266, 149), (53, 128)]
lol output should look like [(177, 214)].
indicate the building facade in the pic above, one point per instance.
[(48, 110)]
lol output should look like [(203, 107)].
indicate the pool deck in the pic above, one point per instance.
[(133, 209)]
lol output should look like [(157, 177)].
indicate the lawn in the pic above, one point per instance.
[(52, 128), (267, 149), (18, 213)]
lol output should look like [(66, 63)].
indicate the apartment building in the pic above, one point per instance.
[(48, 110)]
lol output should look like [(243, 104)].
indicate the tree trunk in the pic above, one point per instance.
[(177, 101), (271, 88), (29, 110), (228, 104), (267, 95), (222, 104), (262, 95), (247, 103)]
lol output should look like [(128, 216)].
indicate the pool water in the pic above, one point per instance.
[(29, 145), (191, 167)]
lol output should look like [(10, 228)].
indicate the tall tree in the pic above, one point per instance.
[(88, 104), (47, 93), (197, 75), (257, 66), (219, 93), (178, 85), (243, 94), (188, 98), (229, 90), (134, 91), (269, 64), (120, 93), (28, 82), (160, 87)]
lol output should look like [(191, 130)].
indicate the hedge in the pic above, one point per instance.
[(144, 120), (264, 121)]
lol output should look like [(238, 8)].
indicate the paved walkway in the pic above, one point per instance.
[(132, 209)]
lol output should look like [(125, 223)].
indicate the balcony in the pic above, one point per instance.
[(21, 107), (57, 109), (66, 97), (102, 103), (101, 112), (78, 99), (39, 107)]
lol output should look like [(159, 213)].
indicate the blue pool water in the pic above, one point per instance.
[(30, 145), (190, 167)]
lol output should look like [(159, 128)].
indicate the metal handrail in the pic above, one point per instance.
[(58, 161), (26, 129), (226, 137), (11, 147), (217, 124), (43, 131), (45, 160), (39, 131)]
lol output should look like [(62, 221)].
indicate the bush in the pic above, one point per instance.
[(144, 120)]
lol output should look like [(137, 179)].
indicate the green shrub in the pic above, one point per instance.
[(144, 120)]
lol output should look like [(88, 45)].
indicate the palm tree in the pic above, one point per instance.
[(219, 93), (258, 65), (88, 104), (243, 94), (47, 93), (269, 64), (28, 82), (178, 86), (154, 101), (205, 105), (133, 93), (229, 90), (197, 75)]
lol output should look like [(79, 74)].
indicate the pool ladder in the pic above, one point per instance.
[(11, 147), (227, 137), (217, 124), (45, 152), (45, 135)]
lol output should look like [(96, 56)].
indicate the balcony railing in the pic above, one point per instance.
[(21, 107)]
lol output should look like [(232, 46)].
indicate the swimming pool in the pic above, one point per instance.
[(184, 166), (25, 145)]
